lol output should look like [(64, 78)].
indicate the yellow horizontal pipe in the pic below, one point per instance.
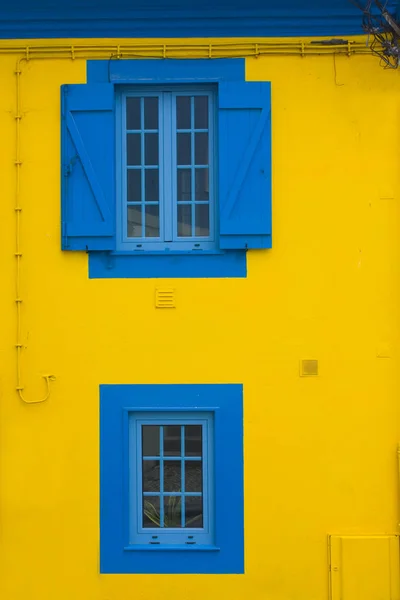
[(182, 49)]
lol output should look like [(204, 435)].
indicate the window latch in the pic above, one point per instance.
[(190, 541), (154, 539)]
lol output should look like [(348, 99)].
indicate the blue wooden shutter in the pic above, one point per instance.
[(88, 167), (244, 164)]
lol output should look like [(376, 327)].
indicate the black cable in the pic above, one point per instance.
[(383, 29)]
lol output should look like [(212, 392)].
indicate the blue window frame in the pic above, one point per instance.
[(166, 200), (170, 478), (236, 199), (195, 444)]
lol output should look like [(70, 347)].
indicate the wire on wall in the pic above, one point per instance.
[(18, 250), (383, 31)]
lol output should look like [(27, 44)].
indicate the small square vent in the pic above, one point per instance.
[(308, 368), (165, 298)]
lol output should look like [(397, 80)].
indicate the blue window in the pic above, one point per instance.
[(166, 168), (171, 479), (166, 200)]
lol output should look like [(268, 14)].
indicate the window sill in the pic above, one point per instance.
[(167, 264), (171, 548), (167, 252)]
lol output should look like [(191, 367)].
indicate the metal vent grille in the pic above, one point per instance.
[(165, 298)]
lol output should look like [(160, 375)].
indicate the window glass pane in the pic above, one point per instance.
[(193, 476), (193, 440), (172, 440), (151, 475), (134, 221), (151, 113), (172, 511), (184, 220), (151, 188), (133, 149), (201, 148), (184, 177), (151, 440), (172, 475), (151, 511), (134, 185), (202, 223), (201, 184), (151, 148), (193, 511), (201, 112), (183, 112), (152, 220), (133, 113), (184, 153)]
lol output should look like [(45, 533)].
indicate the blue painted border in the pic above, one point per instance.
[(226, 555), (106, 19), (116, 265), (106, 265)]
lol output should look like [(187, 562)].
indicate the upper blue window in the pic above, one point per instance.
[(166, 168), (166, 200)]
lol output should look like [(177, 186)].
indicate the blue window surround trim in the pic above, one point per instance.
[(211, 264), (226, 554)]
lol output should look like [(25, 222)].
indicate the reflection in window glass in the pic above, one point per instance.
[(133, 113), (184, 220), (151, 148), (172, 476), (151, 511), (193, 476), (134, 185), (172, 440), (193, 440), (151, 475), (150, 113), (201, 148), (184, 185), (194, 511), (183, 112), (152, 221), (134, 149), (172, 483), (151, 440), (134, 223), (201, 112), (184, 149)]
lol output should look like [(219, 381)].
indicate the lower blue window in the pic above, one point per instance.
[(171, 478)]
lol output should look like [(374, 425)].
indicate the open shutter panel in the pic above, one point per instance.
[(88, 167), (245, 164)]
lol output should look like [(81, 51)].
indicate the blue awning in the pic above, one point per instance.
[(179, 18)]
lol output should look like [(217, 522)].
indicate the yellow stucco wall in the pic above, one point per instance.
[(320, 452)]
